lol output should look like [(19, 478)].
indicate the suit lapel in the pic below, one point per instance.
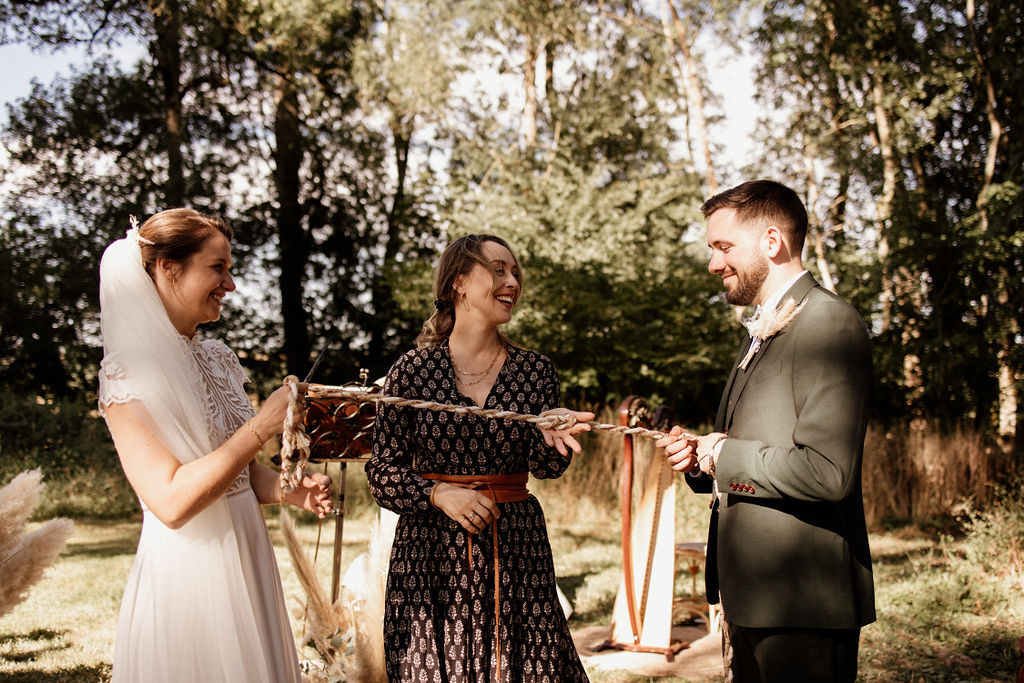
[(723, 404), (739, 378)]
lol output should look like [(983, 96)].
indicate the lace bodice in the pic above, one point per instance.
[(223, 380)]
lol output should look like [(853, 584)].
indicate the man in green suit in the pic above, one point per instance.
[(788, 549)]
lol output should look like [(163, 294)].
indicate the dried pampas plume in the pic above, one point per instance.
[(348, 634), (25, 556)]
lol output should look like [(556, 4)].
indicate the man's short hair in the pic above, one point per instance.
[(767, 202)]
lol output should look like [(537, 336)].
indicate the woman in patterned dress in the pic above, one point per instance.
[(203, 601), (471, 542)]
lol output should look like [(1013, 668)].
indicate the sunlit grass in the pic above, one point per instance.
[(66, 626), (950, 605)]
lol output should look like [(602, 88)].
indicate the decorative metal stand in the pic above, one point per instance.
[(340, 431)]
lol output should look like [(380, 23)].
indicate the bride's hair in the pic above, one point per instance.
[(177, 234), (457, 259)]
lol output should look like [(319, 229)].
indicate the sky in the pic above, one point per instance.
[(730, 73), (21, 65)]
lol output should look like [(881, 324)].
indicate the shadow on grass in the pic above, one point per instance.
[(900, 557), (917, 655), (588, 538), (112, 548), (597, 613), (26, 647), (36, 634), (79, 674), (571, 584)]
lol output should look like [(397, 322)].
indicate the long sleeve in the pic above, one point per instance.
[(819, 458), (393, 482), (545, 461)]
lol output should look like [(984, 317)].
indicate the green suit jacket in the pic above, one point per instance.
[(788, 545)]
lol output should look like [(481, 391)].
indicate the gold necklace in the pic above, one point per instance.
[(479, 375)]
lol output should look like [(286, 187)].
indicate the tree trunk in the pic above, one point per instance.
[(816, 228), (166, 23), (883, 208), (294, 246), (381, 291), (694, 95), (898, 284), (529, 121), (549, 72), (834, 103), (1007, 380)]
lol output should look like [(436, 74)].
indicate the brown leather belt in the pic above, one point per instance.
[(501, 488)]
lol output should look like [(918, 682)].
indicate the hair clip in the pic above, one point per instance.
[(133, 232)]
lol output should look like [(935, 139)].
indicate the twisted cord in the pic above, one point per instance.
[(556, 421), (294, 438)]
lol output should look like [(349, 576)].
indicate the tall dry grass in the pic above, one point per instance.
[(911, 473), (916, 473), (587, 498), (346, 633)]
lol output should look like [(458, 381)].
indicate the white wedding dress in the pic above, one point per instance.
[(203, 602)]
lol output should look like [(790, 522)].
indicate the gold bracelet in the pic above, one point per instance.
[(433, 489), (260, 440)]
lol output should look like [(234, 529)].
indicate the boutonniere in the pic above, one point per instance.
[(768, 324)]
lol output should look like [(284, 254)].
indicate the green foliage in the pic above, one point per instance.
[(347, 140), (891, 124), (69, 442), (603, 221)]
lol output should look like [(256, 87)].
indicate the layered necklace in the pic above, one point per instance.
[(466, 378)]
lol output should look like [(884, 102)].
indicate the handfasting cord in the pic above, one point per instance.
[(295, 440)]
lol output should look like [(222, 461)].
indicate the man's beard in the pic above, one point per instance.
[(748, 282)]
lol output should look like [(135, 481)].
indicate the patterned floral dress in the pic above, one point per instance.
[(439, 620)]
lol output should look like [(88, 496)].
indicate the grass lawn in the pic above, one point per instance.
[(945, 612)]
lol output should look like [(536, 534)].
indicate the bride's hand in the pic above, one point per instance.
[(313, 494), (270, 418), (560, 438)]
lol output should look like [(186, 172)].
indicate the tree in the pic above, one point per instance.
[(902, 111), (599, 212), (85, 153)]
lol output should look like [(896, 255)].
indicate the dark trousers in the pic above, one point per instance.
[(788, 655)]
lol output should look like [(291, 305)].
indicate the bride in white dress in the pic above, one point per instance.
[(204, 599)]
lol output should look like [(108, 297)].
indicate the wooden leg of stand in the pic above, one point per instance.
[(339, 527)]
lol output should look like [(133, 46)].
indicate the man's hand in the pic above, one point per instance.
[(687, 453), (680, 449)]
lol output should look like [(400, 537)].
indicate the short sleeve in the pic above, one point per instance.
[(114, 384)]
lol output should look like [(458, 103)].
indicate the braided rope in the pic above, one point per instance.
[(294, 439)]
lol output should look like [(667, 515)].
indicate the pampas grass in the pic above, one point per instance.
[(347, 634), (364, 587), (25, 556)]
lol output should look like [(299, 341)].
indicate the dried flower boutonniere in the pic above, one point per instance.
[(767, 325)]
